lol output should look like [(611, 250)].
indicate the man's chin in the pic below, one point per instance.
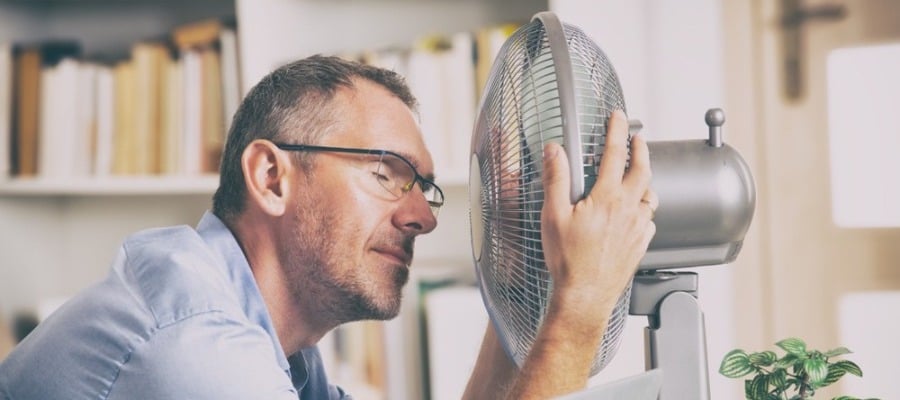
[(391, 310)]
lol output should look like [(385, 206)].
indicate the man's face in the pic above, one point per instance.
[(350, 242)]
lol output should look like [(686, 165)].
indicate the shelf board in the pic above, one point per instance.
[(111, 186)]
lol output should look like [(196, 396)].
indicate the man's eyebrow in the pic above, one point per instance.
[(415, 163)]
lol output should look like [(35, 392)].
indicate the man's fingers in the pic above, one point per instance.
[(615, 152), (556, 178), (650, 201), (638, 177)]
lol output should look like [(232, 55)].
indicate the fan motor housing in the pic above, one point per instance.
[(706, 203)]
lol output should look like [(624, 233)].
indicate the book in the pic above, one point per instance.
[(192, 125), (29, 60), (198, 34), (426, 75), (58, 123), (460, 103), (26, 106), (86, 120), (102, 146), (213, 125), (124, 140), (7, 341), (455, 324), (441, 73), (488, 41), (150, 60), (211, 86), (231, 75), (172, 119), (6, 96), (359, 350)]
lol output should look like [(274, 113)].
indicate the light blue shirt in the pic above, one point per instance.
[(179, 317)]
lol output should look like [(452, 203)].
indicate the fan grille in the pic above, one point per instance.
[(521, 111)]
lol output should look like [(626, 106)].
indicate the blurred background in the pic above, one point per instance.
[(112, 114)]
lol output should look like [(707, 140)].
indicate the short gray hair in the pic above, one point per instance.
[(293, 102)]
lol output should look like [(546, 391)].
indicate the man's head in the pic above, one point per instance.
[(343, 241), (293, 102)]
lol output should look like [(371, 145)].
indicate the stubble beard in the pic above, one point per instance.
[(327, 281)]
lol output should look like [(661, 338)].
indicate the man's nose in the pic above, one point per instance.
[(416, 214)]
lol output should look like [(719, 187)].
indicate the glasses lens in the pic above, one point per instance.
[(398, 177), (394, 175), (434, 197)]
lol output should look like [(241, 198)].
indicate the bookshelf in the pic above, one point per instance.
[(112, 186), (59, 235)]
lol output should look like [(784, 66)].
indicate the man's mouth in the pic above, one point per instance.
[(397, 255)]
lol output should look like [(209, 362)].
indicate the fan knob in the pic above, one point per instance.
[(715, 118)]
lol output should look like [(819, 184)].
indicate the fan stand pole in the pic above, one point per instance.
[(675, 340)]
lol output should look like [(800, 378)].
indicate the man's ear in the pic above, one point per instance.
[(265, 176)]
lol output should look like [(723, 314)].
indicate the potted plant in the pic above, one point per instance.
[(796, 375)]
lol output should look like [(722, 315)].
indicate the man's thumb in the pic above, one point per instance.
[(556, 176)]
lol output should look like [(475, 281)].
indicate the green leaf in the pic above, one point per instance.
[(763, 359), (817, 370), (778, 379), (736, 364), (847, 366), (759, 387), (748, 389), (846, 398), (789, 360), (834, 374), (793, 346), (837, 352)]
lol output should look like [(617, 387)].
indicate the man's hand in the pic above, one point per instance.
[(592, 248)]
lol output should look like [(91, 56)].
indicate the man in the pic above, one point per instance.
[(325, 184)]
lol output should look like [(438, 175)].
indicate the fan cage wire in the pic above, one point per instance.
[(522, 112)]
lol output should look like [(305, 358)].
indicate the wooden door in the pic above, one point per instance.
[(807, 262)]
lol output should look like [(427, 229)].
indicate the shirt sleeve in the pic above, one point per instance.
[(205, 356)]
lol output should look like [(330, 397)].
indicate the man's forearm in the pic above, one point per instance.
[(494, 372), (559, 361), (560, 358)]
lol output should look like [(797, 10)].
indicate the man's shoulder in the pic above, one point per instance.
[(165, 286), (175, 274), (172, 244)]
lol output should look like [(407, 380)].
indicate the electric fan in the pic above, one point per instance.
[(551, 83), (530, 99)]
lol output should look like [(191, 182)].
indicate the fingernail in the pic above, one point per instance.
[(637, 131), (550, 152)]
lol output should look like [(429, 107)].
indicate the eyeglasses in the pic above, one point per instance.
[(392, 171)]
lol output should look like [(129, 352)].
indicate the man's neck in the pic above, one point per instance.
[(293, 324)]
